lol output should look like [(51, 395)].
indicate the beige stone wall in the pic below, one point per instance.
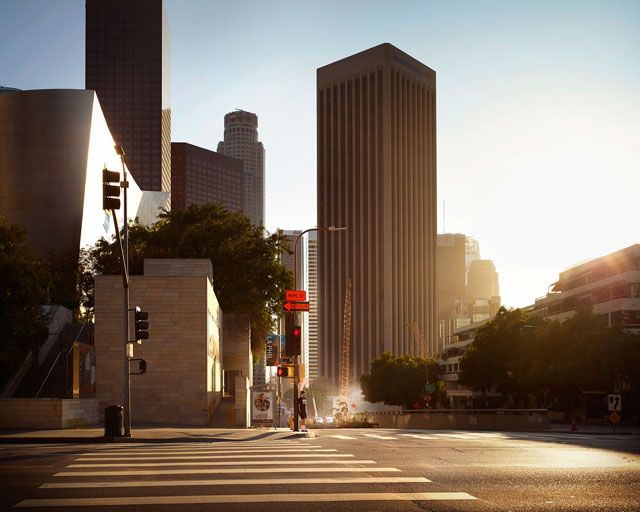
[(177, 387), (47, 412)]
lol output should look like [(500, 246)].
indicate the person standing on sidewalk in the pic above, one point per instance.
[(302, 411)]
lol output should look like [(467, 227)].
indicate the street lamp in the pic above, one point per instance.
[(295, 284)]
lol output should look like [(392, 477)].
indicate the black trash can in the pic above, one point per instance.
[(114, 420)]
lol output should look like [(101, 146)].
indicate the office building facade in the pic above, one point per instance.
[(610, 285), (311, 318), (201, 176), (376, 113), (241, 142), (128, 64)]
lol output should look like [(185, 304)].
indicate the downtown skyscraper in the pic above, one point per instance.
[(128, 64), (241, 142), (376, 142)]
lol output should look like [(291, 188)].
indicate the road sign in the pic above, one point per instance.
[(429, 387), (285, 361), (296, 295), (614, 417), (295, 306), (615, 403)]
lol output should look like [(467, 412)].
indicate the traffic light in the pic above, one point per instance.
[(294, 340), (110, 193), (285, 371), (141, 325)]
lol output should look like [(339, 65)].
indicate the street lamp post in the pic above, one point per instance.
[(294, 316)]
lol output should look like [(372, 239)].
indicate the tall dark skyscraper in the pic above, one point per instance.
[(128, 64), (377, 176), (241, 142)]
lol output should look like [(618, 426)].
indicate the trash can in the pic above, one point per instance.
[(114, 420)]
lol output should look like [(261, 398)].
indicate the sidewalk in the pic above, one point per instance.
[(595, 429), (150, 433)]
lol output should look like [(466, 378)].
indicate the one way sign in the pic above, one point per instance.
[(615, 403)]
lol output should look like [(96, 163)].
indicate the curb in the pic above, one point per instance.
[(150, 440)]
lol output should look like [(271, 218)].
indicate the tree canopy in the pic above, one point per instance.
[(399, 380), (24, 277), (517, 354), (247, 275)]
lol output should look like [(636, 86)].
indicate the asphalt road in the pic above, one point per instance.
[(341, 470)]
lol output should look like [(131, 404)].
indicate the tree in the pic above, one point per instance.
[(491, 362), (24, 278), (399, 380), (247, 275)]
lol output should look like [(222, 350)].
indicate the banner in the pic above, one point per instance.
[(263, 405)]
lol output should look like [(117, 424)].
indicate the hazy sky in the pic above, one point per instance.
[(538, 106)]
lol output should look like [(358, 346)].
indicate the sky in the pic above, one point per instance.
[(538, 106)]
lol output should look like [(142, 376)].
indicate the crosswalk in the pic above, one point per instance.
[(252, 473), (395, 435)]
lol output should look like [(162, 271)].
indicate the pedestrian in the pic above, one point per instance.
[(302, 411)]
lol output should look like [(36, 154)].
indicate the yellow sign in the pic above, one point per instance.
[(614, 417)]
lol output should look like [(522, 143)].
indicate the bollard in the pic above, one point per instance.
[(573, 424)]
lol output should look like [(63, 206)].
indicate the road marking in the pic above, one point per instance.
[(243, 481), (17, 467), (202, 452), (240, 498), (419, 436), (192, 448), (236, 456), (202, 471), (337, 436), (225, 463), (457, 436), (376, 436)]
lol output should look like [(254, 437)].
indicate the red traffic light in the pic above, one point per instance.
[(296, 331)]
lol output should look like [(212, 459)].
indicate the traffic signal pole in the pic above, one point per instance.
[(124, 184)]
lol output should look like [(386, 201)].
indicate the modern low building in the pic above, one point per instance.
[(460, 397), (610, 285), (183, 380), (201, 176), (53, 147)]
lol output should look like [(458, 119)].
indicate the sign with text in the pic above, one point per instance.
[(296, 295), (295, 306), (263, 404), (271, 349)]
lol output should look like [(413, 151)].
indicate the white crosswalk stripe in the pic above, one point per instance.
[(107, 470), (338, 436)]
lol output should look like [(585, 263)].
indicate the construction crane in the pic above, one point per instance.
[(346, 344), (423, 351)]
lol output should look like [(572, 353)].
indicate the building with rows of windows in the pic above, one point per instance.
[(610, 285)]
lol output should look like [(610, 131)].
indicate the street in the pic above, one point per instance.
[(341, 469)]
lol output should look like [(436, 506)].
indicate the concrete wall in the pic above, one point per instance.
[(236, 334), (504, 420), (241, 409), (184, 338), (47, 412)]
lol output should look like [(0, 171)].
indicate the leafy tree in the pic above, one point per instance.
[(24, 278), (517, 355), (491, 361), (399, 380), (247, 275)]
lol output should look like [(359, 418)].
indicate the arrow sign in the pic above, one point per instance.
[(295, 306)]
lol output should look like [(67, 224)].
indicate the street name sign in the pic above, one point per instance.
[(296, 295), (295, 306)]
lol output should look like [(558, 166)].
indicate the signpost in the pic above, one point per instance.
[(295, 306), (615, 406)]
